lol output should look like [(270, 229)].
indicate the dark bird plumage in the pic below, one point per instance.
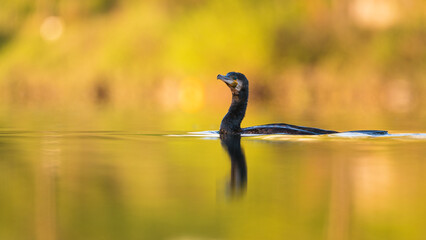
[(231, 123)]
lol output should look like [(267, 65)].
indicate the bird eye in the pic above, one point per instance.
[(235, 78)]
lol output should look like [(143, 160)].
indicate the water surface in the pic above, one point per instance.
[(176, 185)]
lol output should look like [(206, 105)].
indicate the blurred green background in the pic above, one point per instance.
[(136, 69), (152, 65)]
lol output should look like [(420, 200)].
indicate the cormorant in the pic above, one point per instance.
[(231, 123)]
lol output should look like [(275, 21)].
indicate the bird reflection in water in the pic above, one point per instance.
[(232, 144)]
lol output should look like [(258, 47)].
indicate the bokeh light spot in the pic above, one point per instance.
[(374, 14), (52, 28), (399, 96), (191, 96)]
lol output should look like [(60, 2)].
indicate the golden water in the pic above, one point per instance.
[(127, 185)]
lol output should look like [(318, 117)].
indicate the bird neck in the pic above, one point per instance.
[(231, 123)]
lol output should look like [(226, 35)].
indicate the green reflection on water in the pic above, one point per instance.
[(121, 185)]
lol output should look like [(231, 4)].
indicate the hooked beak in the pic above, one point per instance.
[(226, 79)]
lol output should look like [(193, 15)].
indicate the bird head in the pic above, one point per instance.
[(237, 82)]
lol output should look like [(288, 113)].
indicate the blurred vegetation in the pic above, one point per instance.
[(304, 59), (150, 65)]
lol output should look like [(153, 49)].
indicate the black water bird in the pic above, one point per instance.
[(231, 123)]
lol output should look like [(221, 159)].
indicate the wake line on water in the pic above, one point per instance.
[(343, 135)]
